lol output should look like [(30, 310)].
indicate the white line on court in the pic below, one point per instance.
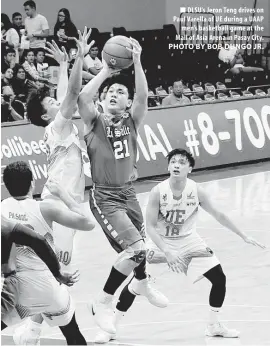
[(172, 321)]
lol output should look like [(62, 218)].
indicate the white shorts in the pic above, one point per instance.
[(40, 293), (192, 249)]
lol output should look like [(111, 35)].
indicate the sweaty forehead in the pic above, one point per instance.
[(117, 86), (179, 157)]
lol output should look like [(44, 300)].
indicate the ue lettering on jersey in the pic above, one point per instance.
[(177, 216)]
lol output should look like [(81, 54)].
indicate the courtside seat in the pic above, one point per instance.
[(260, 92), (209, 97), (247, 93), (209, 87), (220, 86), (234, 94), (195, 99), (222, 96)]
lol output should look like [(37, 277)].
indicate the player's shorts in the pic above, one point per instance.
[(40, 293), (191, 249), (118, 212), (9, 295)]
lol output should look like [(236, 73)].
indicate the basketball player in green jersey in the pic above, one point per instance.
[(111, 140)]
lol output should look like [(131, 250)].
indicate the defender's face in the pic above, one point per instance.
[(51, 107), (179, 166), (117, 99)]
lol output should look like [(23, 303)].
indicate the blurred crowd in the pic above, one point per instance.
[(25, 66)]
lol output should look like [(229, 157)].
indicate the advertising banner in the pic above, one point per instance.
[(216, 134)]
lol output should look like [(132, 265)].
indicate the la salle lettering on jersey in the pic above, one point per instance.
[(115, 132), (15, 216)]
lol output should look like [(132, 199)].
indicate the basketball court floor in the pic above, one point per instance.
[(244, 194)]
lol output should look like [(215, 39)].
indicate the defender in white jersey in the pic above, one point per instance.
[(61, 137), (39, 292), (171, 224), (65, 163)]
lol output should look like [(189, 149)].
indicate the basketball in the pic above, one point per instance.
[(115, 53)]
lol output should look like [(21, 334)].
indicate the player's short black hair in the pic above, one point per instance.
[(122, 79), (34, 106), (16, 14), (183, 152), (17, 177), (30, 3)]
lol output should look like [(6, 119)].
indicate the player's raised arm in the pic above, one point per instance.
[(140, 106), (223, 219), (87, 109), (69, 101)]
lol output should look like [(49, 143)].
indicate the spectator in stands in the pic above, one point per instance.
[(18, 23), (9, 60), (31, 69), (10, 37), (232, 57), (42, 67), (7, 77), (65, 30), (176, 98), (91, 62), (21, 85), (36, 26), (11, 109)]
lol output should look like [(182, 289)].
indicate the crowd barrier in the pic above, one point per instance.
[(217, 134)]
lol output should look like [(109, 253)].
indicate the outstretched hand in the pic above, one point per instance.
[(82, 45), (60, 55), (254, 242)]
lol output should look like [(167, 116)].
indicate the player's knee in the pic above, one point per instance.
[(219, 277), (216, 276), (138, 252)]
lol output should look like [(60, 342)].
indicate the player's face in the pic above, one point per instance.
[(51, 107), (179, 166), (117, 99)]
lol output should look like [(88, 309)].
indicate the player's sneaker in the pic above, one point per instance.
[(219, 329), (103, 337), (104, 316), (25, 335), (144, 288)]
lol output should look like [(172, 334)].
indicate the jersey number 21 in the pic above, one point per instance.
[(121, 149)]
